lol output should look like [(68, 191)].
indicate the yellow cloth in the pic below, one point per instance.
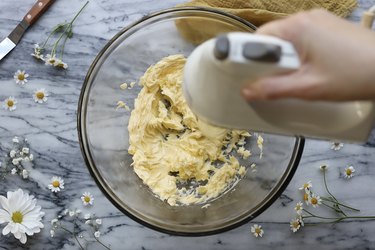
[(257, 12), (261, 11)]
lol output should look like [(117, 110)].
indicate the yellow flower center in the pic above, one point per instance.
[(306, 185), (17, 217), (306, 197), (52, 61), (348, 171), (40, 95), (21, 77), (87, 199), (10, 103), (314, 201), (295, 224), (298, 207), (56, 184)]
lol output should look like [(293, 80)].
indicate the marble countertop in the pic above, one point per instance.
[(51, 131)]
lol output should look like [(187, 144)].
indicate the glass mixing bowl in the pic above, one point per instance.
[(103, 130)]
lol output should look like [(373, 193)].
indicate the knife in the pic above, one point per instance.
[(30, 18)]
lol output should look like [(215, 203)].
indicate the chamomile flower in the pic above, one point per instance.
[(21, 77), (12, 153), (56, 185), (25, 174), (65, 212), (60, 64), (299, 207), (25, 150), (87, 199), (348, 173), (13, 171), (15, 140), (52, 233), (323, 167), (257, 230), (306, 197), (337, 145), (315, 200), (40, 95), (98, 221), (21, 213), (87, 216), (54, 221), (97, 234), (38, 52), (50, 59), (306, 186), (16, 161), (295, 225), (10, 103)]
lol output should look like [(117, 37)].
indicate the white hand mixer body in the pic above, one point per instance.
[(217, 69)]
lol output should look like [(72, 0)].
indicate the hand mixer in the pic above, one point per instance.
[(217, 69)]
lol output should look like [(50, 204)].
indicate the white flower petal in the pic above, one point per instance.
[(21, 202), (7, 228), (23, 238), (17, 235), (14, 228), (4, 203), (4, 216), (30, 223)]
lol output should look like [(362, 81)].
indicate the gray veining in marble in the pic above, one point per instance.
[(51, 130)]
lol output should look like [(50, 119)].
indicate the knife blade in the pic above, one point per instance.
[(30, 18)]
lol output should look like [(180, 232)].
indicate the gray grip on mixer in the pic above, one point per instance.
[(221, 50), (263, 52)]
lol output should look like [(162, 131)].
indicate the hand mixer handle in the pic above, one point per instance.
[(251, 56), (217, 70), (256, 51)]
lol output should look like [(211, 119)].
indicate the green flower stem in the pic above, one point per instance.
[(316, 216), (337, 210), (79, 12), (75, 237), (63, 47), (53, 51), (333, 197), (72, 233), (67, 30), (326, 186), (101, 243), (338, 203), (336, 218), (54, 30)]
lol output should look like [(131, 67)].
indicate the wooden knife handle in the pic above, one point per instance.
[(37, 10)]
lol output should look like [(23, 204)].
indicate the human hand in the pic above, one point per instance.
[(337, 60)]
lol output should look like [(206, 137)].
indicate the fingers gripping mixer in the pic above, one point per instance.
[(217, 69)]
